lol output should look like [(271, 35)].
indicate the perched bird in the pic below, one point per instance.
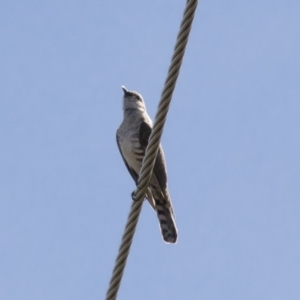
[(132, 139)]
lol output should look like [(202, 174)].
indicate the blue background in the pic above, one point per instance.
[(231, 142)]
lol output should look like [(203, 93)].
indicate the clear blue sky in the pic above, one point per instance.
[(232, 143)]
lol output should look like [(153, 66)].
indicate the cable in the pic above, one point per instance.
[(152, 148)]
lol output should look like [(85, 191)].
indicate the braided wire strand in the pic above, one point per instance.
[(152, 148)]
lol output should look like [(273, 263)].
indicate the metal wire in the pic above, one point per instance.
[(152, 148)]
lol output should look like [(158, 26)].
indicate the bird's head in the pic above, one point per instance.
[(132, 100)]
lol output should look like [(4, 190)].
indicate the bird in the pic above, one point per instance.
[(132, 139)]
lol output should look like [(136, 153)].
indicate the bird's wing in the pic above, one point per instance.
[(159, 169), (133, 174), (159, 188)]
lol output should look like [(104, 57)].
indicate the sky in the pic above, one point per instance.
[(231, 142)]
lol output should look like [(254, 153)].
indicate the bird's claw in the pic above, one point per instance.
[(133, 196)]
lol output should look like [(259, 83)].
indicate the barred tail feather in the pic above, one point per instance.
[(166, 221)]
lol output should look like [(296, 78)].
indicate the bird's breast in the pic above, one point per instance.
[(132, 152)]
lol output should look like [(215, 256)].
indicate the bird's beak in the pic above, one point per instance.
[(126, 92)]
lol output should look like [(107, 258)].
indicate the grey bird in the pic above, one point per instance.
[(132, 139)]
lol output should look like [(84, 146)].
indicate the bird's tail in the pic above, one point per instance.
[(166, 221)]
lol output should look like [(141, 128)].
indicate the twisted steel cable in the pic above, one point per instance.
[(152, 148)]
